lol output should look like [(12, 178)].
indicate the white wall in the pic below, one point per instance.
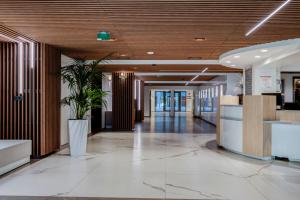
[(65, 111), (288, 85)]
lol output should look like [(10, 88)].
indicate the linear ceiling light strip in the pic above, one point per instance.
[(268, 17), (31, 50), (187, 83), (21, 40)]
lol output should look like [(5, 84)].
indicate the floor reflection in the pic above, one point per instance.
[(161, 122)]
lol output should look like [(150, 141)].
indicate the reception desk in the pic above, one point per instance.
[(231, 127), (256, 129), (285, 139)]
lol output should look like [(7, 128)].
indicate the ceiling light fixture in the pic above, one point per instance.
[(264, 50), (200, 39), (197, 75), (123, 75), (150, 52), (9, 38), (257, 56), (267, 18), (237, 56), (233, 65), (228, 61)]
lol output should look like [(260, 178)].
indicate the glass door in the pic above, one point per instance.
[(159, 101), (180, 101), (183, 102), (162, 101), (167, 101)]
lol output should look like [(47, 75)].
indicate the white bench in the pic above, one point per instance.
[(13, 154)]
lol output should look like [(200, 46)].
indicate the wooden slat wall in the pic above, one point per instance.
[(50, 63), (139, 113), (142, 100), (9, 109), (122, 102), (37, 116)]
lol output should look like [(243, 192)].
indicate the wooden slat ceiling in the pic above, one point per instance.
[(166, 27), (175, 78), (168, 68)]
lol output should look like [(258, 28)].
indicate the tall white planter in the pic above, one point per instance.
[(78, 131)]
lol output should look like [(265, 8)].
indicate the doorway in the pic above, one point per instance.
[(163, 101), (296, 90), (180, 101)]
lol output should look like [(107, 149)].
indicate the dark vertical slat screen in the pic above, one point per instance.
[(37, 116), (142, 100), (122, 102)]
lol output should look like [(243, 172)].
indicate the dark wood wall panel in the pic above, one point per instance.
[(123, 102), (37, 115), (142, 100), (50, 63), (139, 112)]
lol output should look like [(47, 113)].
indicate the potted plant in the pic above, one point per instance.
[(83, 97)]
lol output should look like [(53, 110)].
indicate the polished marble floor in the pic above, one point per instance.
[(182, 122), (155, 166)]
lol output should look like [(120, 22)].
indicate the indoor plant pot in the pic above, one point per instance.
[(78, 131), (81, 77)]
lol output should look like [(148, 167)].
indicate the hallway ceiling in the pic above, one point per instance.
[(168, 28)]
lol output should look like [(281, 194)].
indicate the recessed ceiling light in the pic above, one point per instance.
[(228, 61), (237, 56), (150, 52), (257, 56), (233, 65), (267, 18), (200, 39), (264, 50), (123, 55)]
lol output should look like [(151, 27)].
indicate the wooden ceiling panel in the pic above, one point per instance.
[(168, 68), (175, 78), (166, 27)]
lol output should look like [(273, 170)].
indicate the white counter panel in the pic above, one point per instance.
[(232, 135), (286, 140), (232, 111)]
